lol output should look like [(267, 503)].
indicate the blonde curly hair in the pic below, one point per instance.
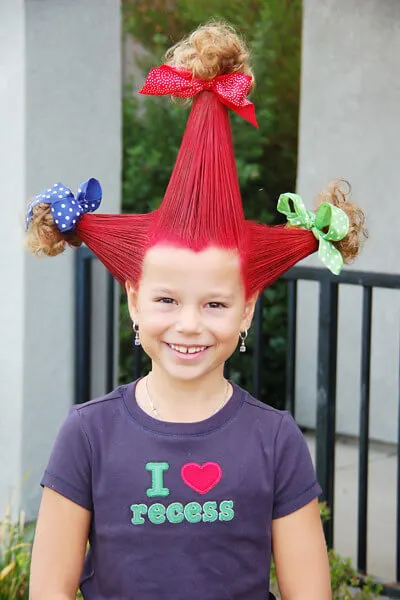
[(212, 49), (43, 237), (337, 193)]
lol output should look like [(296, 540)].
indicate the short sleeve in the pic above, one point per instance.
[(69, 469), (295, 481)]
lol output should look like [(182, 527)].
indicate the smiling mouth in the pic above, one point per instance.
[(187, 349)]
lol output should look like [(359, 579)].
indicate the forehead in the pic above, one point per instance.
[(182, 267)]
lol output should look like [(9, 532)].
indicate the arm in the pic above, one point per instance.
[(301, 559), (59, 548)]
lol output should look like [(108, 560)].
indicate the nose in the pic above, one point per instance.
[(188, 321)]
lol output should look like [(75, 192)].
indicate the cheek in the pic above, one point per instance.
[(226, 329), (153, 323)]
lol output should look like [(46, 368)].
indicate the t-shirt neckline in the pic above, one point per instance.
[(225, 414)]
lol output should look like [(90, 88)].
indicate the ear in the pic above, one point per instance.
[(248, 313), (131, 293)]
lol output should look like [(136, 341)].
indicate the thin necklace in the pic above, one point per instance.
[(155, 411)]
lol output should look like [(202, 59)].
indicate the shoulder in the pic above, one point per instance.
[(270, 411), (101, 402), (263, 410), (273, 424), (102, 409)]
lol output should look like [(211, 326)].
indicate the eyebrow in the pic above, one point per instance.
[(221, 295), (162, 291)]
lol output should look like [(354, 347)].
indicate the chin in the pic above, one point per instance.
[(185, 372)]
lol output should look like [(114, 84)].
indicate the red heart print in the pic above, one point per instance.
[(201, 478)]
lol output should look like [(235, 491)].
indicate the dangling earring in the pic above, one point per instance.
[(243, 336), (136, 330)]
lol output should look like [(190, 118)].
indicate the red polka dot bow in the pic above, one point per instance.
[(231, 89)]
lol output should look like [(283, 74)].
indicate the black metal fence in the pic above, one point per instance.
[(326, 392), (83, 326), (326, 375)]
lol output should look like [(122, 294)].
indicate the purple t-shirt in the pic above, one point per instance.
[(180, 510)]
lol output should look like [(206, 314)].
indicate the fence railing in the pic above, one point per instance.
[(326, 391), (83, 326), (326, 375)]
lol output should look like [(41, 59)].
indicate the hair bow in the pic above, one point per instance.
[(329, 224), (231, 89), (65, 208)]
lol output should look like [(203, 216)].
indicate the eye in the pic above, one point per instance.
[(217, 305), (165, 300)]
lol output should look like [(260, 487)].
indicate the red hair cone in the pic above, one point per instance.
[(202, 205)]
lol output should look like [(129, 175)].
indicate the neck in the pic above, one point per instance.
[(180, 400)]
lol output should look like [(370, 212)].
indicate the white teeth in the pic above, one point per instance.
[(185, 350)]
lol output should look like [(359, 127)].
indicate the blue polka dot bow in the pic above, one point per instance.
[(65, 208)]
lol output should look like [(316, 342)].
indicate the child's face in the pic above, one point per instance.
[(190, 308)]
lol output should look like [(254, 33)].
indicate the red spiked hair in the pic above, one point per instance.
[(202, 207)]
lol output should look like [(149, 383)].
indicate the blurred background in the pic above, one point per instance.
[(327, 99)]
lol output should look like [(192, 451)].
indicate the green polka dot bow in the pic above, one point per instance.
[(329, 224)]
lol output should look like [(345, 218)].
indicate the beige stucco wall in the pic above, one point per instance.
[(350, 127), (60, 107)]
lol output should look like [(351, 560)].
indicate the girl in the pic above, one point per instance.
[(181, 481)]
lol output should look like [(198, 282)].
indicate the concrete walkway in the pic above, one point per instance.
[(381, 549)]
